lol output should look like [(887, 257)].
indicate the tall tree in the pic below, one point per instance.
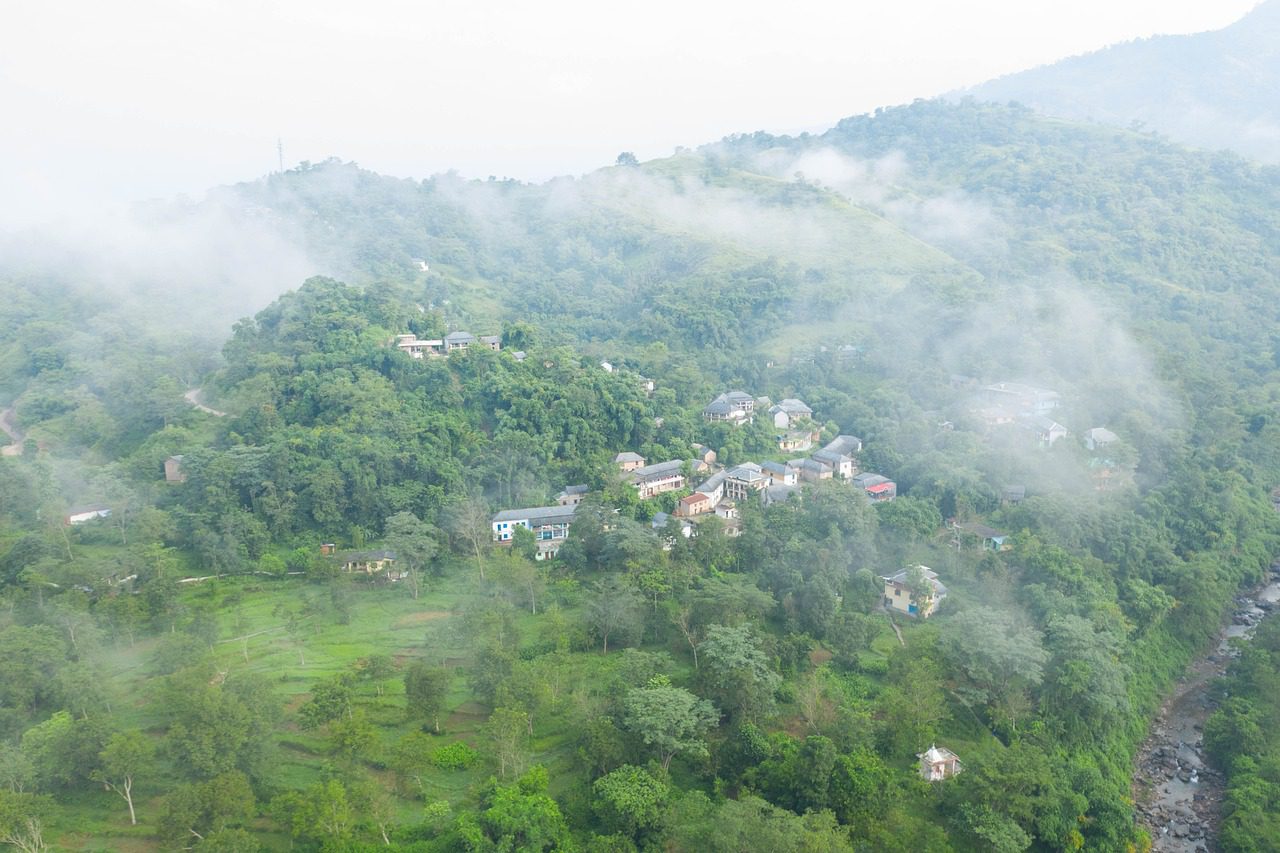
[(670, 719), (125, 756), (413, 543)]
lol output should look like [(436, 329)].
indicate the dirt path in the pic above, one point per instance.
[(14, 448), (1178, 796), (193, 397)]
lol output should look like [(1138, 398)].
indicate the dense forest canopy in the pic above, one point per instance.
[(194, 668)]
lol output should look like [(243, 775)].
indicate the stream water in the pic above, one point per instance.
[(1177, 794)]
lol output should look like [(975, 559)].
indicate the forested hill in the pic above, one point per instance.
[(215, 655), (1212, 90)]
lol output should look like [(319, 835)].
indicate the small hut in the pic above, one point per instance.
[(939, 763)]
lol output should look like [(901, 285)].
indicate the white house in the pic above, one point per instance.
[(898, 597), (550, 526)]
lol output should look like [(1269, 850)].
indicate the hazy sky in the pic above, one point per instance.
[(140, 98)]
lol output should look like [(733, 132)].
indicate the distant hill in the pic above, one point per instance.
[(1214, 90)]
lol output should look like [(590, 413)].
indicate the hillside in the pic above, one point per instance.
[(1211, 90), (317, 623)]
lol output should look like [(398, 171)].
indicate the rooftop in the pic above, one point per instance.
[(538, 514)]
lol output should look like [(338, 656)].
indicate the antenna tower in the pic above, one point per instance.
[(280, 152)]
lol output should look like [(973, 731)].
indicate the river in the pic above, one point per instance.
[(1178, 796)]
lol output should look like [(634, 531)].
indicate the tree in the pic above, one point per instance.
[(425, 689), (330, 700), (629, 800), (735, 673), (507, 733), (468, 522), (125, 756), (22, 821), (203, 809), (322, 812), (999, 656), (377, 669), (613, 610), (670, 719), (413, 543), (627, 158), (519, 817)]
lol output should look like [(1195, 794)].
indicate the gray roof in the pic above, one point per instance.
[(718, 406), (776, 468), (362, 556), (981, 530), (1043, 423), (779, 492), (867, 479), (628, 456), (812, 465), (1101, 435), (491, 339), (929, 574), (792, 406), (538, 514), (713, 482), (1015, 493), (459, 337), (658, 470), (659, 520), (575, 490), (831, 458), (738, 397), (846, 444)]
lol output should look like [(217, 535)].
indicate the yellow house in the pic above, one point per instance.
[(898, 597)]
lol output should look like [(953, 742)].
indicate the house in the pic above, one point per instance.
[(571, 496), (606, 367), (173, 472), (646, 384), (846, 445), (898, 597), (419, 264), (1013, 495), (987, 538), (811, 470), (328, 549), (628, 461), (778, 493), (694, 504), (703, 457), (779, 474), (878, 488), (660, 477), (939, 763), (842, 465), (744, 480), (367, 562), (550, 526), (1021, 399), (995, 416), (731, 407), (1106, 474), (1045, 430), (713, 487), (788, 412), (493, 342), (412, 346), (1099, 437), (83, 514), (455, 341), (659, 523), (519, 355)]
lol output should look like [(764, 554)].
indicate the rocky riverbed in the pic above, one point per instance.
[(1178, 795)]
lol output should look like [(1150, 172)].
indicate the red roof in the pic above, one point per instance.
[(880, 487), (694, 498)]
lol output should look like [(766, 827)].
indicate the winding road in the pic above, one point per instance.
[(193, 397), (14, 448)]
